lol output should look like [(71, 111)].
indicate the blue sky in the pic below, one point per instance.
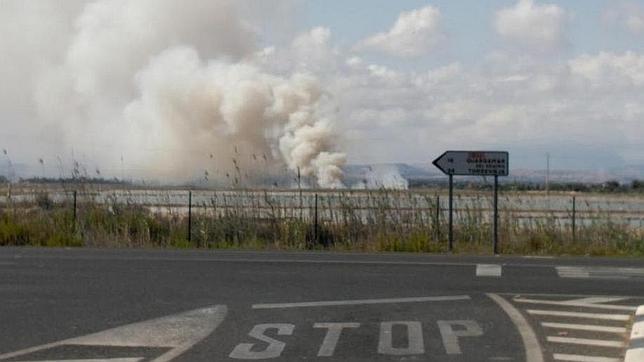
[(469, 22)]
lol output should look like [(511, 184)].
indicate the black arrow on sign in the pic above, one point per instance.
[(441, 163)]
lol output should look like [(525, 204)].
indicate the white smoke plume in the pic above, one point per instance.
[(382, 176), (171, 87)]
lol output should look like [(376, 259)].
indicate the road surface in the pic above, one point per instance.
[(151, 305)]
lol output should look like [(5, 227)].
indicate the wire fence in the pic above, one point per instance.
[(373, 220)]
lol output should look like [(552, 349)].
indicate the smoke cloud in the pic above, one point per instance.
[(171, 90)]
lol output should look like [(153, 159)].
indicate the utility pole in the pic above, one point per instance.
[(548, 180)]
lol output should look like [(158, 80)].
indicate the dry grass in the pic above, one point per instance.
[(369, 221)]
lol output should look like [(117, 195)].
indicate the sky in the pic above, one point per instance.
[(162, 90)]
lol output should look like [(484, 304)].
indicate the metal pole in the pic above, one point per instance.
[(574, 219), (438, 220), (75, 208), (451, 213), (315, 220), (496, 214), (189, 216), (299, 189)]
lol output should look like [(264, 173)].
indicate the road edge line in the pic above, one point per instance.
[(635, 352), (531, 344)]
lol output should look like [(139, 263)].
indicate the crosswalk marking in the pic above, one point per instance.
[(576, 304), (584, 327), (596, 329), (610, 317), (635, 351), (529, 338), (596, 300), (587, 342), (582, 272), (581, 358), (488, 270)]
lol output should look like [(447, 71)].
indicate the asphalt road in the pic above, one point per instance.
[(151, 305)]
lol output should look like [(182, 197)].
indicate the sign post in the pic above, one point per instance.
[(451, 213), (496, 214), (474, 163)]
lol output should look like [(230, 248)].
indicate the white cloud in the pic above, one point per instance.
[(568, 107), (627, 15), (532, 26), (608, 69), (313, 50), (414, 34)]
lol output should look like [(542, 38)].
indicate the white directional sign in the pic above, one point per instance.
[(474, 163)]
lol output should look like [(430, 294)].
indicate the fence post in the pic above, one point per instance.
[(437, 221), (189, 216), (574, 219), (75, 211), (315, 220)]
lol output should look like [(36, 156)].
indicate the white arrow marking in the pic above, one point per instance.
[(179, 332)]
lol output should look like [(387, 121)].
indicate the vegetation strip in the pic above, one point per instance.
[(371, 220)]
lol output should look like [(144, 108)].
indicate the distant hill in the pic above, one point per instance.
[(428, 173)]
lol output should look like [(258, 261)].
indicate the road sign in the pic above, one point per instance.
[(473, 163)]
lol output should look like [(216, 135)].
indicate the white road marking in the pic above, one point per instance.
[(450, 336), (179, 332), (635, 353), (584, 327), (274, 348), (576, 304), (572, 272), (530, 342), (334, 330), (597, 300), (415, 343), (267, 260), (554, 313), (580, 358), (638, 326), (135, 359), (488, 270), (361, 302), (598, 272), (586, 342)]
